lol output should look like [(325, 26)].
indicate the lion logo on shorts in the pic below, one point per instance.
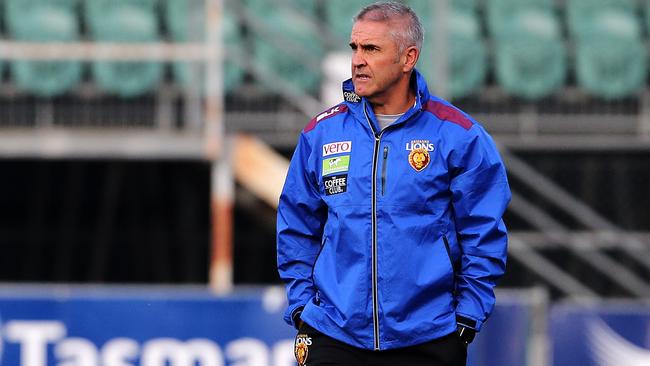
[(301, 348)]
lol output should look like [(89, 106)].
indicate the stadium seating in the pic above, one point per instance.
[(43, 21), (467, 58), (465, 5), (500, 14), (186, 23), (338, 17), (584, 15), (286, 42), (646, 15), (124, 21), (530, 57), (610, 58)]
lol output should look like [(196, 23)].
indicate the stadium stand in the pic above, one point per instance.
[(124, 21), (338, 17), (531, 49), (530, 58), (467, 58), (611, 59), (185, 21), (291, 49), (43, 21)]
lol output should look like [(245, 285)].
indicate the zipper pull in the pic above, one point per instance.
[(383, 171)]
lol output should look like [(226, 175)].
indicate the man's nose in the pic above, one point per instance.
[(357, 59)]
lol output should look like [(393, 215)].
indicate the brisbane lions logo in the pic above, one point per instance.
[(419, 159), (301, 348), (419, 153)]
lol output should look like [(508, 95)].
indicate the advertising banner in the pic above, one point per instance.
[(601, 334), (88, 327), (148, 326)]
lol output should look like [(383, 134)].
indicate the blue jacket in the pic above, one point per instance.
[(387, 239)]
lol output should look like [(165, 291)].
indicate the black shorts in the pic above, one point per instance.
[(313, 348)]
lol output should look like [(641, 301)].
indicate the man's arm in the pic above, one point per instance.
[(301, 216), (480, 197)]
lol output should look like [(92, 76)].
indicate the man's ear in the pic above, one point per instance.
[(410, 57)]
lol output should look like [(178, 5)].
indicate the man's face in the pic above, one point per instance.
[(376, 65)]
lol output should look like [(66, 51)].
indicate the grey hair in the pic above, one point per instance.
[(412, 35)]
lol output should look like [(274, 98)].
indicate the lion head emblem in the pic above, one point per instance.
[(419, 159), (301, 348)]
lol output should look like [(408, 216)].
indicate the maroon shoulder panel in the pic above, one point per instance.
[(325, 115), (447, 113)]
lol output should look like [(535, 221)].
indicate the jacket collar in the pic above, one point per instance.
[(356, 103)]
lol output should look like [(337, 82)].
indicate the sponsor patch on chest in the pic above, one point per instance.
[(336, 184), (336, 164), (418, 156), (337, 148)]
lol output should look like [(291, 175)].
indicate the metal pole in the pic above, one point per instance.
[(221, 186)]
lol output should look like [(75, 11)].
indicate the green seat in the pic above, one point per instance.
[(611, 67), (290, 50), (338, 17), (424, 10), (185, 20), (530, 68), (501, 13), (467, 58), (465, 5), (646, 15), (610, 55), (43, 21), (467, 65), (263, 6), (583, 16), (530, 59), (124, 21)]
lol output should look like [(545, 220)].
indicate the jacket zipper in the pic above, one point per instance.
[(383, 171), (375, 160), (375, 300)]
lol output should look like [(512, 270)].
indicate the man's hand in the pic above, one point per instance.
[(465, 334), (296, 318)]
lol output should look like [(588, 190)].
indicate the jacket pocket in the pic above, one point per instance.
[(451, 263), (448, 250)]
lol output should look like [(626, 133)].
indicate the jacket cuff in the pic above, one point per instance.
[(295, 316), (468, 322)]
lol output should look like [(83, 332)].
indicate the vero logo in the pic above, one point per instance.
[(337, 148)]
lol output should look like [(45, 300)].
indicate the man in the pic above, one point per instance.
[(390, 232)]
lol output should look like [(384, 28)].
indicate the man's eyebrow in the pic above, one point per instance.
[(365, 46)]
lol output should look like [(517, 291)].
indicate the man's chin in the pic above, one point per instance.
[(362, 92)]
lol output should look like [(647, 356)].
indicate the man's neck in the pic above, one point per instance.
[(394, 105), (399, 101)]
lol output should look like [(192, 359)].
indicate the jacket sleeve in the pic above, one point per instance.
[(480, 195), (301, 216)]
